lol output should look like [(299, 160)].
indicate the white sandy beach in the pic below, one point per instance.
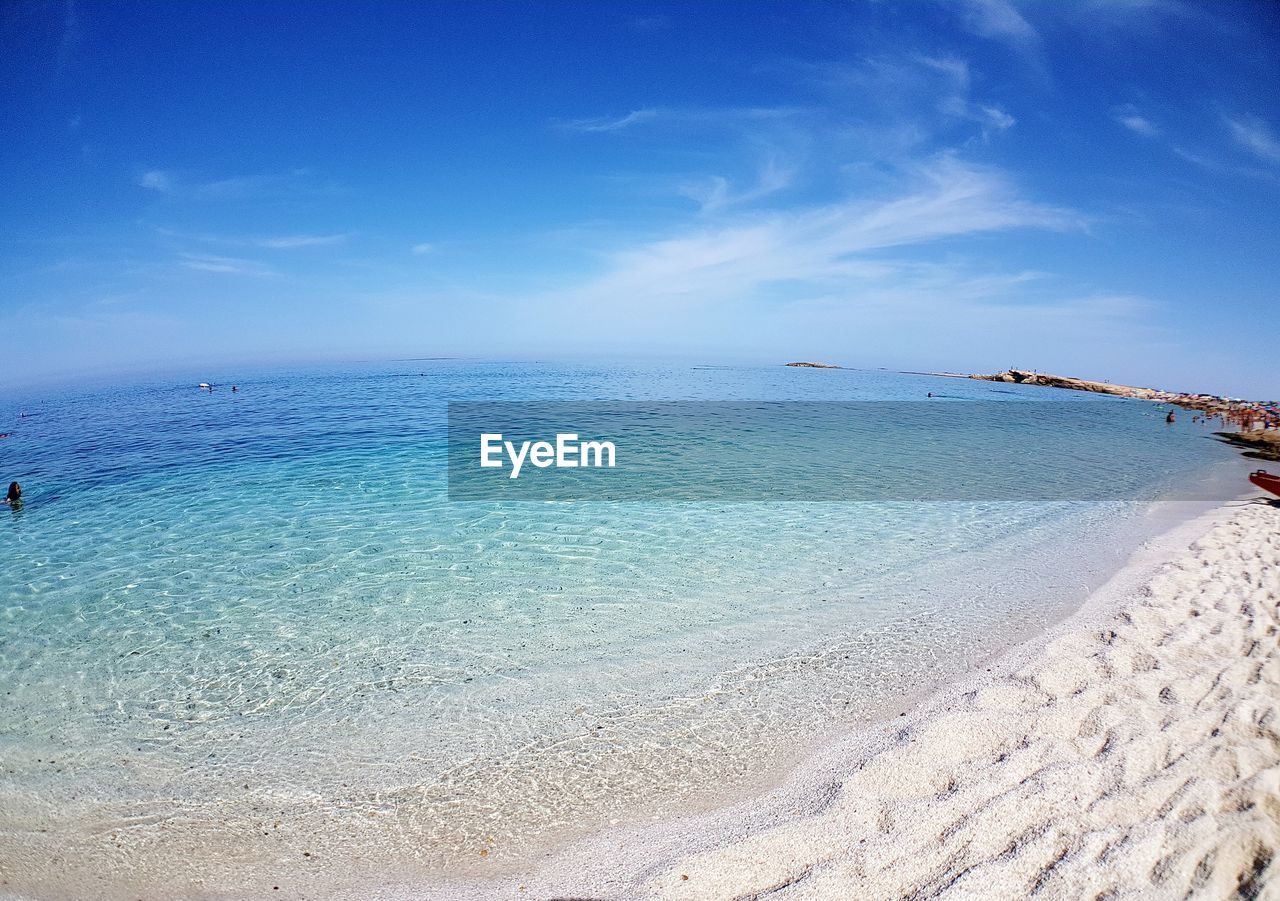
[(1134, 751)]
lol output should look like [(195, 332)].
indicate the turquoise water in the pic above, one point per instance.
[(241, 628)]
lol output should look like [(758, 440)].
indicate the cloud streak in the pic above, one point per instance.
[(723, 118), (1138, 124), (225, 265), (157, 180), (818, 248), (1255, 136), (174, 185), (716, 192), (1000, 20), (634, 117), (291, 242)]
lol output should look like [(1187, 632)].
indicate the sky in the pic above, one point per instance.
[(1089, 188)]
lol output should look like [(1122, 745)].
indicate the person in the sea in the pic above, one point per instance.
[(14, 497), (1169, 418)]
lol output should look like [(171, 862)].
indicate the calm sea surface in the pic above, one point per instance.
[(243, 630)]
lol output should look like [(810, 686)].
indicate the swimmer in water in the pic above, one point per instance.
[(14, 497)]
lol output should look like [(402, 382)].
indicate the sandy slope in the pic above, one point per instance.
[(1137, 755)]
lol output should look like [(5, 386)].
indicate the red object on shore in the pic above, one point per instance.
[(1266, 481)]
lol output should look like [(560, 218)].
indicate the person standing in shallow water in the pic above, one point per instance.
[(14, 497)]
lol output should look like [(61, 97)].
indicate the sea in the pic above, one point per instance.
[(253, 632)]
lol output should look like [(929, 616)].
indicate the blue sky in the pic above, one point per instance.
[(1084, 187)]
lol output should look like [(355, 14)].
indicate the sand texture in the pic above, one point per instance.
[(1135, 755)]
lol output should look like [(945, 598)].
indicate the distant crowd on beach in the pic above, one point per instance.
[(1246, 420), (1251, 418), (1247, 415)]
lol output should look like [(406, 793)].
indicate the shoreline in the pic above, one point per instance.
[(647, 842), (500, 875), (765, 843), (638, 847)]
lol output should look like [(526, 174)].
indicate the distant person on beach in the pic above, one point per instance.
[(14, 497)]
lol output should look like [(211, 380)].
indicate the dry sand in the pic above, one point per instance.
[(1133, 751)]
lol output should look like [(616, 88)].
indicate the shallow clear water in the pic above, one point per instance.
[(251, 626)]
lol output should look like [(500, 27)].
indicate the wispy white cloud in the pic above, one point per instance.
[(956, 69), (289, 242), (424, 248), (953, 91), (225, 265), (268, 242), (996, 117), (1214, 164), (930, 94), (721, 118), (166, 181), (822, 245), (1147, 17), (1198, 159), (72, 34), (1000, 20), (853, 276), (157, 180), (231, 188), (1129, 117), (1254, 135), (716, 192), (884, 109), (247, 187), (1249, 133), (991, 118), (634, 117)]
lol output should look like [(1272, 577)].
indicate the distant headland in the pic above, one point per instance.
[(1258, 422), (808, 365)]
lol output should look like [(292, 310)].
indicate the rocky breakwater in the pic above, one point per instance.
[(1255, 424)]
